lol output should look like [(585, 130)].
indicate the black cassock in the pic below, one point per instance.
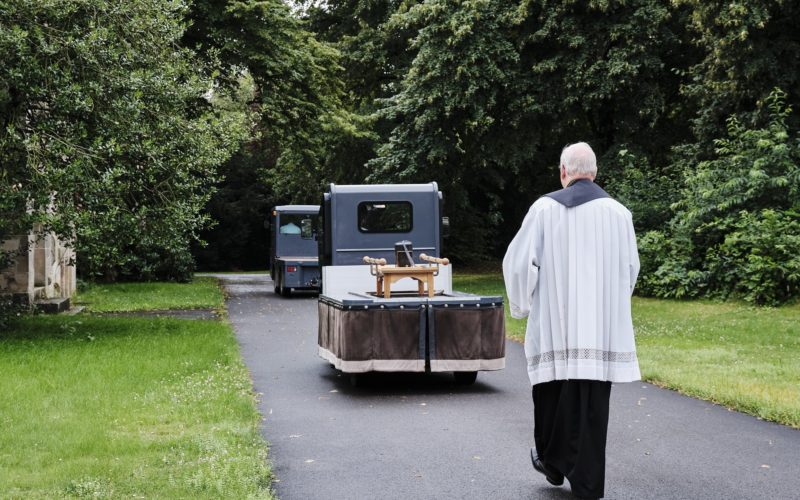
[(570, 428)]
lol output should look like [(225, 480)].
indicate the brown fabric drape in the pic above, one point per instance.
[(357, 335), (469, 333), (414, 333)]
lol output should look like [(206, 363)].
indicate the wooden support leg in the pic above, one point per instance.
[(420, 287), (431, 291)]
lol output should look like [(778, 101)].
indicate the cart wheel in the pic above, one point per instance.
[(465, 378), (280, 289)]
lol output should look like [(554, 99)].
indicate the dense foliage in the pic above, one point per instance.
[(302, 128), (747, 48), (237, 240), (450, 114), (736, 229), (124, 117), (107, 138), (485, 95)]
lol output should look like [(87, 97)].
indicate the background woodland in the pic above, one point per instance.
[(157, 135)]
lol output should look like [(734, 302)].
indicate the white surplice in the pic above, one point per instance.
[(571, 272)]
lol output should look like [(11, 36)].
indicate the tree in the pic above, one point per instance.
[(298, 88), (608, 73), (748, 48), (448, 113), (106, 133), (496, 89), (376, 55)]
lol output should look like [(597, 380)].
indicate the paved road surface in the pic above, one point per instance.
[(406, 436)]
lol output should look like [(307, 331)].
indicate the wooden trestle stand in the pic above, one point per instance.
[(386, 274)]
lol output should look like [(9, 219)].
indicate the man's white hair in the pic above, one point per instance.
[(579, 159)]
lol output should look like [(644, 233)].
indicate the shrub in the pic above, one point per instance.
[(736, 225), (760, 258)]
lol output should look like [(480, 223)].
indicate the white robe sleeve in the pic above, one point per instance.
[(634, 253), (521, 265)]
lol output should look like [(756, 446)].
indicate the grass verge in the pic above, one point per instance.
[(743, 357), (127, 407), (201, 293), (109, 407)]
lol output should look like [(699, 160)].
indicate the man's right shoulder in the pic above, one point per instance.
[(542, 203), (539, 206)]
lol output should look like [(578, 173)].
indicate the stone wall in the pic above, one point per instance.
[(43, 268)]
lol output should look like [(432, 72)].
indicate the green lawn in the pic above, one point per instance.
[(743, 357), (128, 407), (201, 293)]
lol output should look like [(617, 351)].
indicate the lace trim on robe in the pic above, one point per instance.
[(575, 354)]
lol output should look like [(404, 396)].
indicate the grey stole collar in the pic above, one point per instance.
[(578, 192)]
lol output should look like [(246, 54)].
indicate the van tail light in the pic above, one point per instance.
[(291, 269)]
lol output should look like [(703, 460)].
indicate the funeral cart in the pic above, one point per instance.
[(387, 301), (293, 248)]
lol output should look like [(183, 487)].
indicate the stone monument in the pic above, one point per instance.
[(42, 272)]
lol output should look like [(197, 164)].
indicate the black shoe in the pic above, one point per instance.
[(553, 476)]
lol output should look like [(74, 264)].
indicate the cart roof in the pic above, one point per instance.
[(300, 209), (384, 188)]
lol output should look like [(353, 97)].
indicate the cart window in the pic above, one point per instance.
[(300, 225), (385, 217)]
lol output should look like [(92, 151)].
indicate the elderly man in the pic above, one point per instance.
[(570, 270)]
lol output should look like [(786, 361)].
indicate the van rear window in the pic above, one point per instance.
[(385, 217), (301, 225)]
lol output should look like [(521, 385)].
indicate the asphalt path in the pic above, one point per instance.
[(416, 436)]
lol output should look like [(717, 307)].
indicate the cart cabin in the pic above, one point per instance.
[(293, 231), (360, 220), (387, 301), (293, 258)]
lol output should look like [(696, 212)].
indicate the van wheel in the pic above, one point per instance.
[(465, 378)]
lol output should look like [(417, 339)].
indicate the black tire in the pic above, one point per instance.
[(465, 378), (280, 289), (356, 379)]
